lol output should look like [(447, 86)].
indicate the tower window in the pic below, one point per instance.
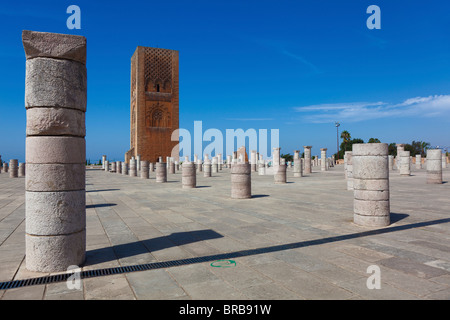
[(157, 88)]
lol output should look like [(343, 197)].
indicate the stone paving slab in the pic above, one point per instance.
[(289, 242)]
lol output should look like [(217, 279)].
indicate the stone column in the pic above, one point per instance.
[(279, 174), (151, 167), (124, 168), (106, 165), (55, 99), (219, 161), (199, 165), (5, 167), (434, 166), (145, 173), (161, 172), (391, 162), (214, 165), (400, 148), (241, 186), (133, 168), (253, 161), (298, 171), (21, 169), (261, 168), (207, 168), (371, 184), (307, 151), (189, 176), (172, 167), (275, 158), (405, 169), (229, 161), (349, 170), (103, 161), (13, 168), (444, 161), (113, 166), (323, 162), (418, 161)]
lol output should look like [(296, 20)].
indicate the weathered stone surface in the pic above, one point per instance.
[(434, 166), (13, 168), (189, 176), (241, 181), (145, 174), (161, 172), (55, 83), (55, 177), (51, 149), (279, 175), (55, 213), (371, 184), (54, 45), (55, 253), (55, 122)]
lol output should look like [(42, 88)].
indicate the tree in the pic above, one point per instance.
[(374, 140), (288, 157), (392, 149)]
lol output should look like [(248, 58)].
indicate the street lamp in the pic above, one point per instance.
[(337, 124)]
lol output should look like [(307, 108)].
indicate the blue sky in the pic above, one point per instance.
[(297, 66)]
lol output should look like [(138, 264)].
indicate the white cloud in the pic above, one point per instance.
[(432, 106)]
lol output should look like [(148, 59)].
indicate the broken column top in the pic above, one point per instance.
[(54, 45)]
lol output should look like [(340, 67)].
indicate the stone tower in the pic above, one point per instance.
[(154, 106)]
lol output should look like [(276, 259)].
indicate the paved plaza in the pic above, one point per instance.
[(289, 241)]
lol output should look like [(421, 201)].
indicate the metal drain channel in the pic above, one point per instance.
[(110, 271)]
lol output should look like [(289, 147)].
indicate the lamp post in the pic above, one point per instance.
[(337, 124)]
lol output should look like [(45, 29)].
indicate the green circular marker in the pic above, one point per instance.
[(223, 264)]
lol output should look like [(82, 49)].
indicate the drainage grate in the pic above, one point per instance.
[(110, 271)]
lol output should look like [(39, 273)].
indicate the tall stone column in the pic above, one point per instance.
[(307, 151), (133, 168), (188, 175), (261, 168), (400, 148), (253, 161), (124, 168), (161, 172), (241, 185), (279, 175), (207, 168), (349, 170), (13, 168), (391, 162), (55, 99), (418, 161), (171, 167), (138, 162), (405, 169), (434, 166), (229, 161), (371, 184), (106, 165), (103, 161), (21, 169), (145, 173), (298, 170), (214, 166), (276, 159), (323, 162)]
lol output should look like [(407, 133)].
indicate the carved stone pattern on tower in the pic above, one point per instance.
[(158, 116), (158, 67)]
